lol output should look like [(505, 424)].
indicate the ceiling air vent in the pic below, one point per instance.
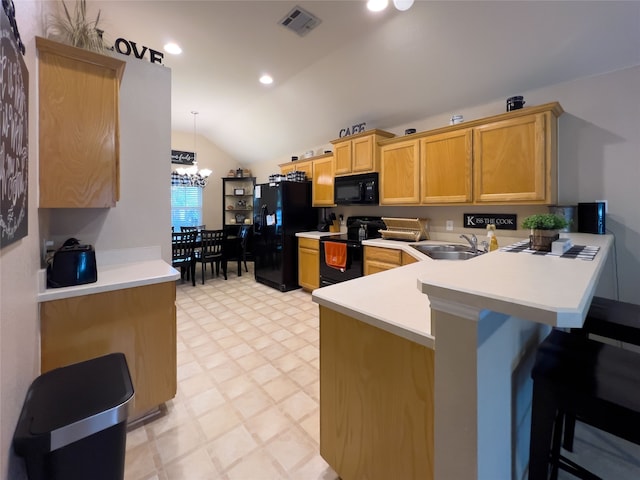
[(300, 21)]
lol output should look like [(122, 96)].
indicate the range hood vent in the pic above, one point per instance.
[(300, 21)]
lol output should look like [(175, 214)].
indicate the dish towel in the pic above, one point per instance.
[(335, 255)]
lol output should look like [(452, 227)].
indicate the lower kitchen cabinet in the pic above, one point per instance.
[(139, 322), (379, 259), (308, 263), (376, 401)]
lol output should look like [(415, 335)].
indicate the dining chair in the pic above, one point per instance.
[(182, 249), (188, 229), (212, 251)]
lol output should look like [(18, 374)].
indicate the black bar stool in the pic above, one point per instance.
[(576, 378)]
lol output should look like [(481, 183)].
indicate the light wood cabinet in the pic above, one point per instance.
[(407, 259), (378, 259), (319, 171), (358, 153), (400, 173), (78, 94), (308, 263), (508, 158), (140, 322), (515, 160), (376, 401), (323, 182), (305, 166), (446, 167)]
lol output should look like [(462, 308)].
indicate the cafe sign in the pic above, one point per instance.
[(502, 221)]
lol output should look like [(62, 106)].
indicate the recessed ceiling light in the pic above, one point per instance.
[(266, 79), (173, 48), (377, 5), (403, 5)]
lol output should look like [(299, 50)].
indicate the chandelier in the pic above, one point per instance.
[(192, 176)]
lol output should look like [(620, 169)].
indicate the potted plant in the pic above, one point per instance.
[(76, 29), (544, 230)]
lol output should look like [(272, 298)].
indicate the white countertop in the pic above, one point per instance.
[(540, 288), (388, 300), (117, 269), (316, 235)]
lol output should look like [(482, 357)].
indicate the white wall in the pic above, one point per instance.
[(598, 152), (19, 327), (211, 157), (142, 216)]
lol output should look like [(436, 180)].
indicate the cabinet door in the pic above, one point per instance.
[(342, 155), (307, 168), (284, 169), (363, 154), (445, 167), (511, 161), (399, 173), (407, 259), (377, 259), (139, 321), (79, 136), (309, 263), (322, 193)]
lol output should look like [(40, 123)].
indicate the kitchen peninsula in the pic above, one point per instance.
[(466, 415)]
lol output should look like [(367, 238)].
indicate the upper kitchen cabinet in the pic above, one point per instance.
[(323, 174), (305, 166), (79, 126), (358, 153), (400, 173), (515, 160), (446, 167), (509, 158), (319, 171)]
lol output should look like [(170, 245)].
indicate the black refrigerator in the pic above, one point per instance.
[(280, 209)]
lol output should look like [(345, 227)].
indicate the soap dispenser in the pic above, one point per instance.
[(491, 234)]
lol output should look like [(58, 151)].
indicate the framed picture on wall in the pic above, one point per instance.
[(183, 158), (14, 135)]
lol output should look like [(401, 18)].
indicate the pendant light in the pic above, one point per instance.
[(191, 175)]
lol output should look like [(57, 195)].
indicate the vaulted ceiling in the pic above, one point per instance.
[(386, 69)]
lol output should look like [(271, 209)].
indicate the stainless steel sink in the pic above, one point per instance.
[(426, 249), (447, 252), (452, 255)]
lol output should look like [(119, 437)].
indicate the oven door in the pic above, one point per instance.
[(353, 268)]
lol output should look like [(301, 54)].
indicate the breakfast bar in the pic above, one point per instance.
[(483, 318)]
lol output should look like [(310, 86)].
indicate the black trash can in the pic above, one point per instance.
[(73, 421)]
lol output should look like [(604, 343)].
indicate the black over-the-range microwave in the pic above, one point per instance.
[(356, 189)]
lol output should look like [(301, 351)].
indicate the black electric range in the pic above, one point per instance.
[(353, 265)]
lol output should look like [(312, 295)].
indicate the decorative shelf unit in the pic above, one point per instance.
[(237, 203)]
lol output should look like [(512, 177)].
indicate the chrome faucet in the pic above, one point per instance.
[(473, 241)]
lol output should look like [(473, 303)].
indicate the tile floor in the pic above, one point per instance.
[(248, 392)]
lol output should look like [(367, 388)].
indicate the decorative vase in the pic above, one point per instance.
[(541, 240)]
